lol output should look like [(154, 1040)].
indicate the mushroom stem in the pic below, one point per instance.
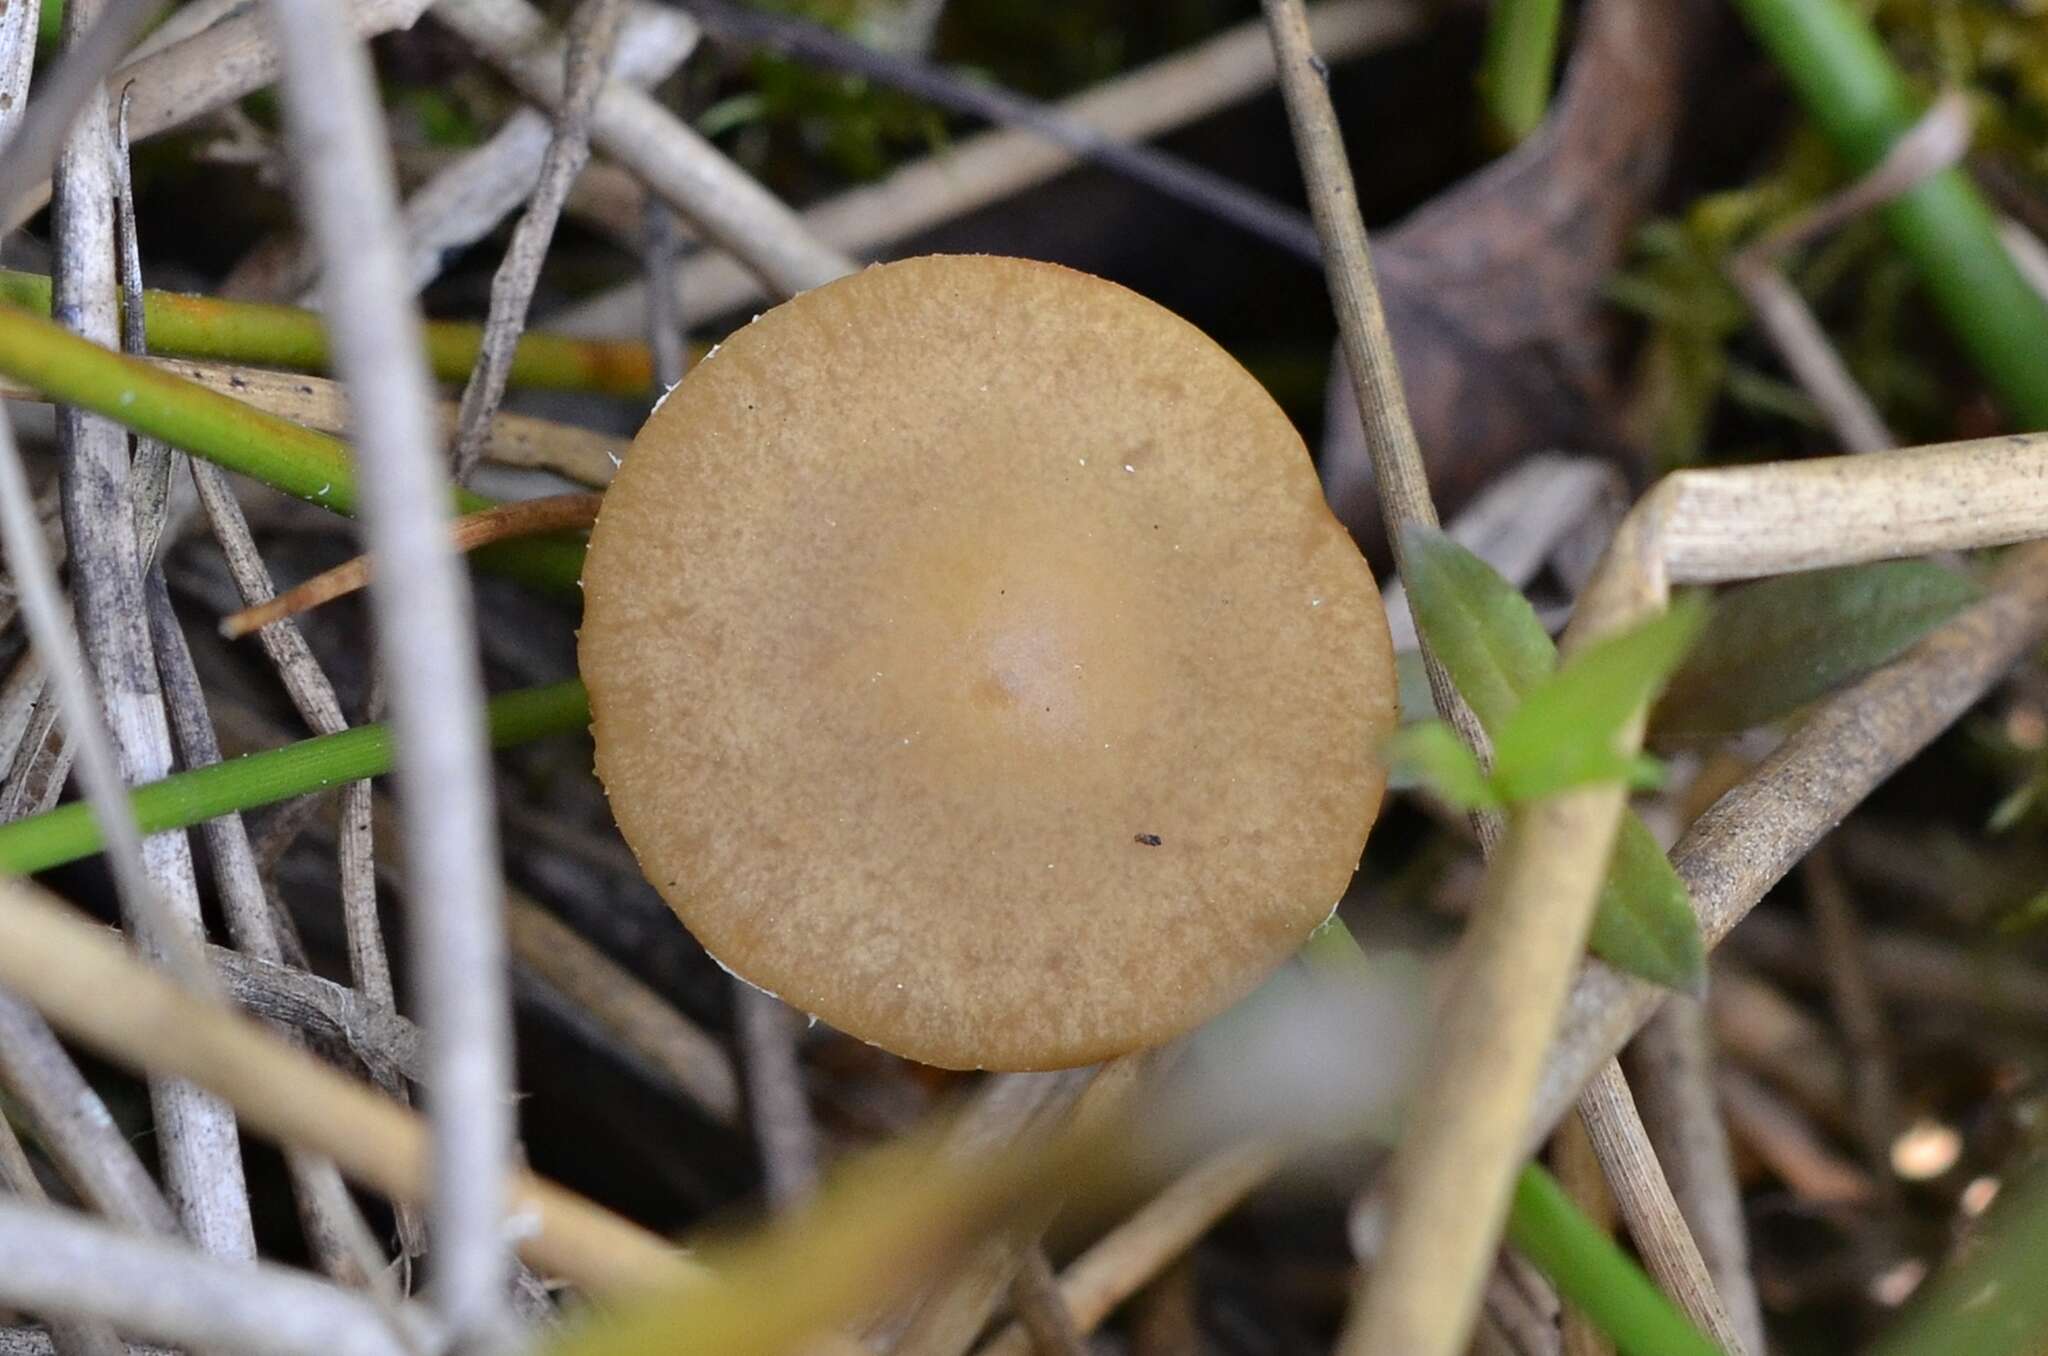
[(527, 517)]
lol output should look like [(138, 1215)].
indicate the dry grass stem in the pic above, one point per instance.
[(945, 1319), (42, 606), (335, 1230), (1035, 1295), (37, 777), (314, 697), (185, 21), (678, 165), (74, 1126), (71, 90), (1660, 1232), (82, 978), (522, 518), (17, 60), (1670, 1067), (1788, 1144), (1908, 968), (1937, 141), (149, 476), (635, 1015), (667, 335), (211, 70), (992, 166), (162, 1289), (421, 606), (465, 200), (69, 1336), (200, 1149), (814, 44), (592, 31), (1362, 324), (778, 1107), (1859, 1012), (331, 1016), (1126, 1258)]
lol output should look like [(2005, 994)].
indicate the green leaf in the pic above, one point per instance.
[(1482, 629), (1645, 923), (1429, 753), (1771, 647), (1563, 734)]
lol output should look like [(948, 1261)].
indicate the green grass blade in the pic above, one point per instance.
[(68, 832), (1594, 1275), (1519, 64)]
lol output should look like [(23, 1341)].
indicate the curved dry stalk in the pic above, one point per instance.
[(64, 1262), (1468, 1127), (1750, 838), (522, 518), (422, 608), (81, 977), (678, 165)]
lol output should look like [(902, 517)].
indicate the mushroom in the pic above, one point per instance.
[(975, 664)]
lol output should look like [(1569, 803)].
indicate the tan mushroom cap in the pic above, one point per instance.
[(976, 665)]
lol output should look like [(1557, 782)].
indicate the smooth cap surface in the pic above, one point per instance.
[(976, 665)]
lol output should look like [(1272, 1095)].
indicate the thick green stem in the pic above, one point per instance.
[(1519, 64), (180, 325), (184, 799), (1860, 102), (286, 456)]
